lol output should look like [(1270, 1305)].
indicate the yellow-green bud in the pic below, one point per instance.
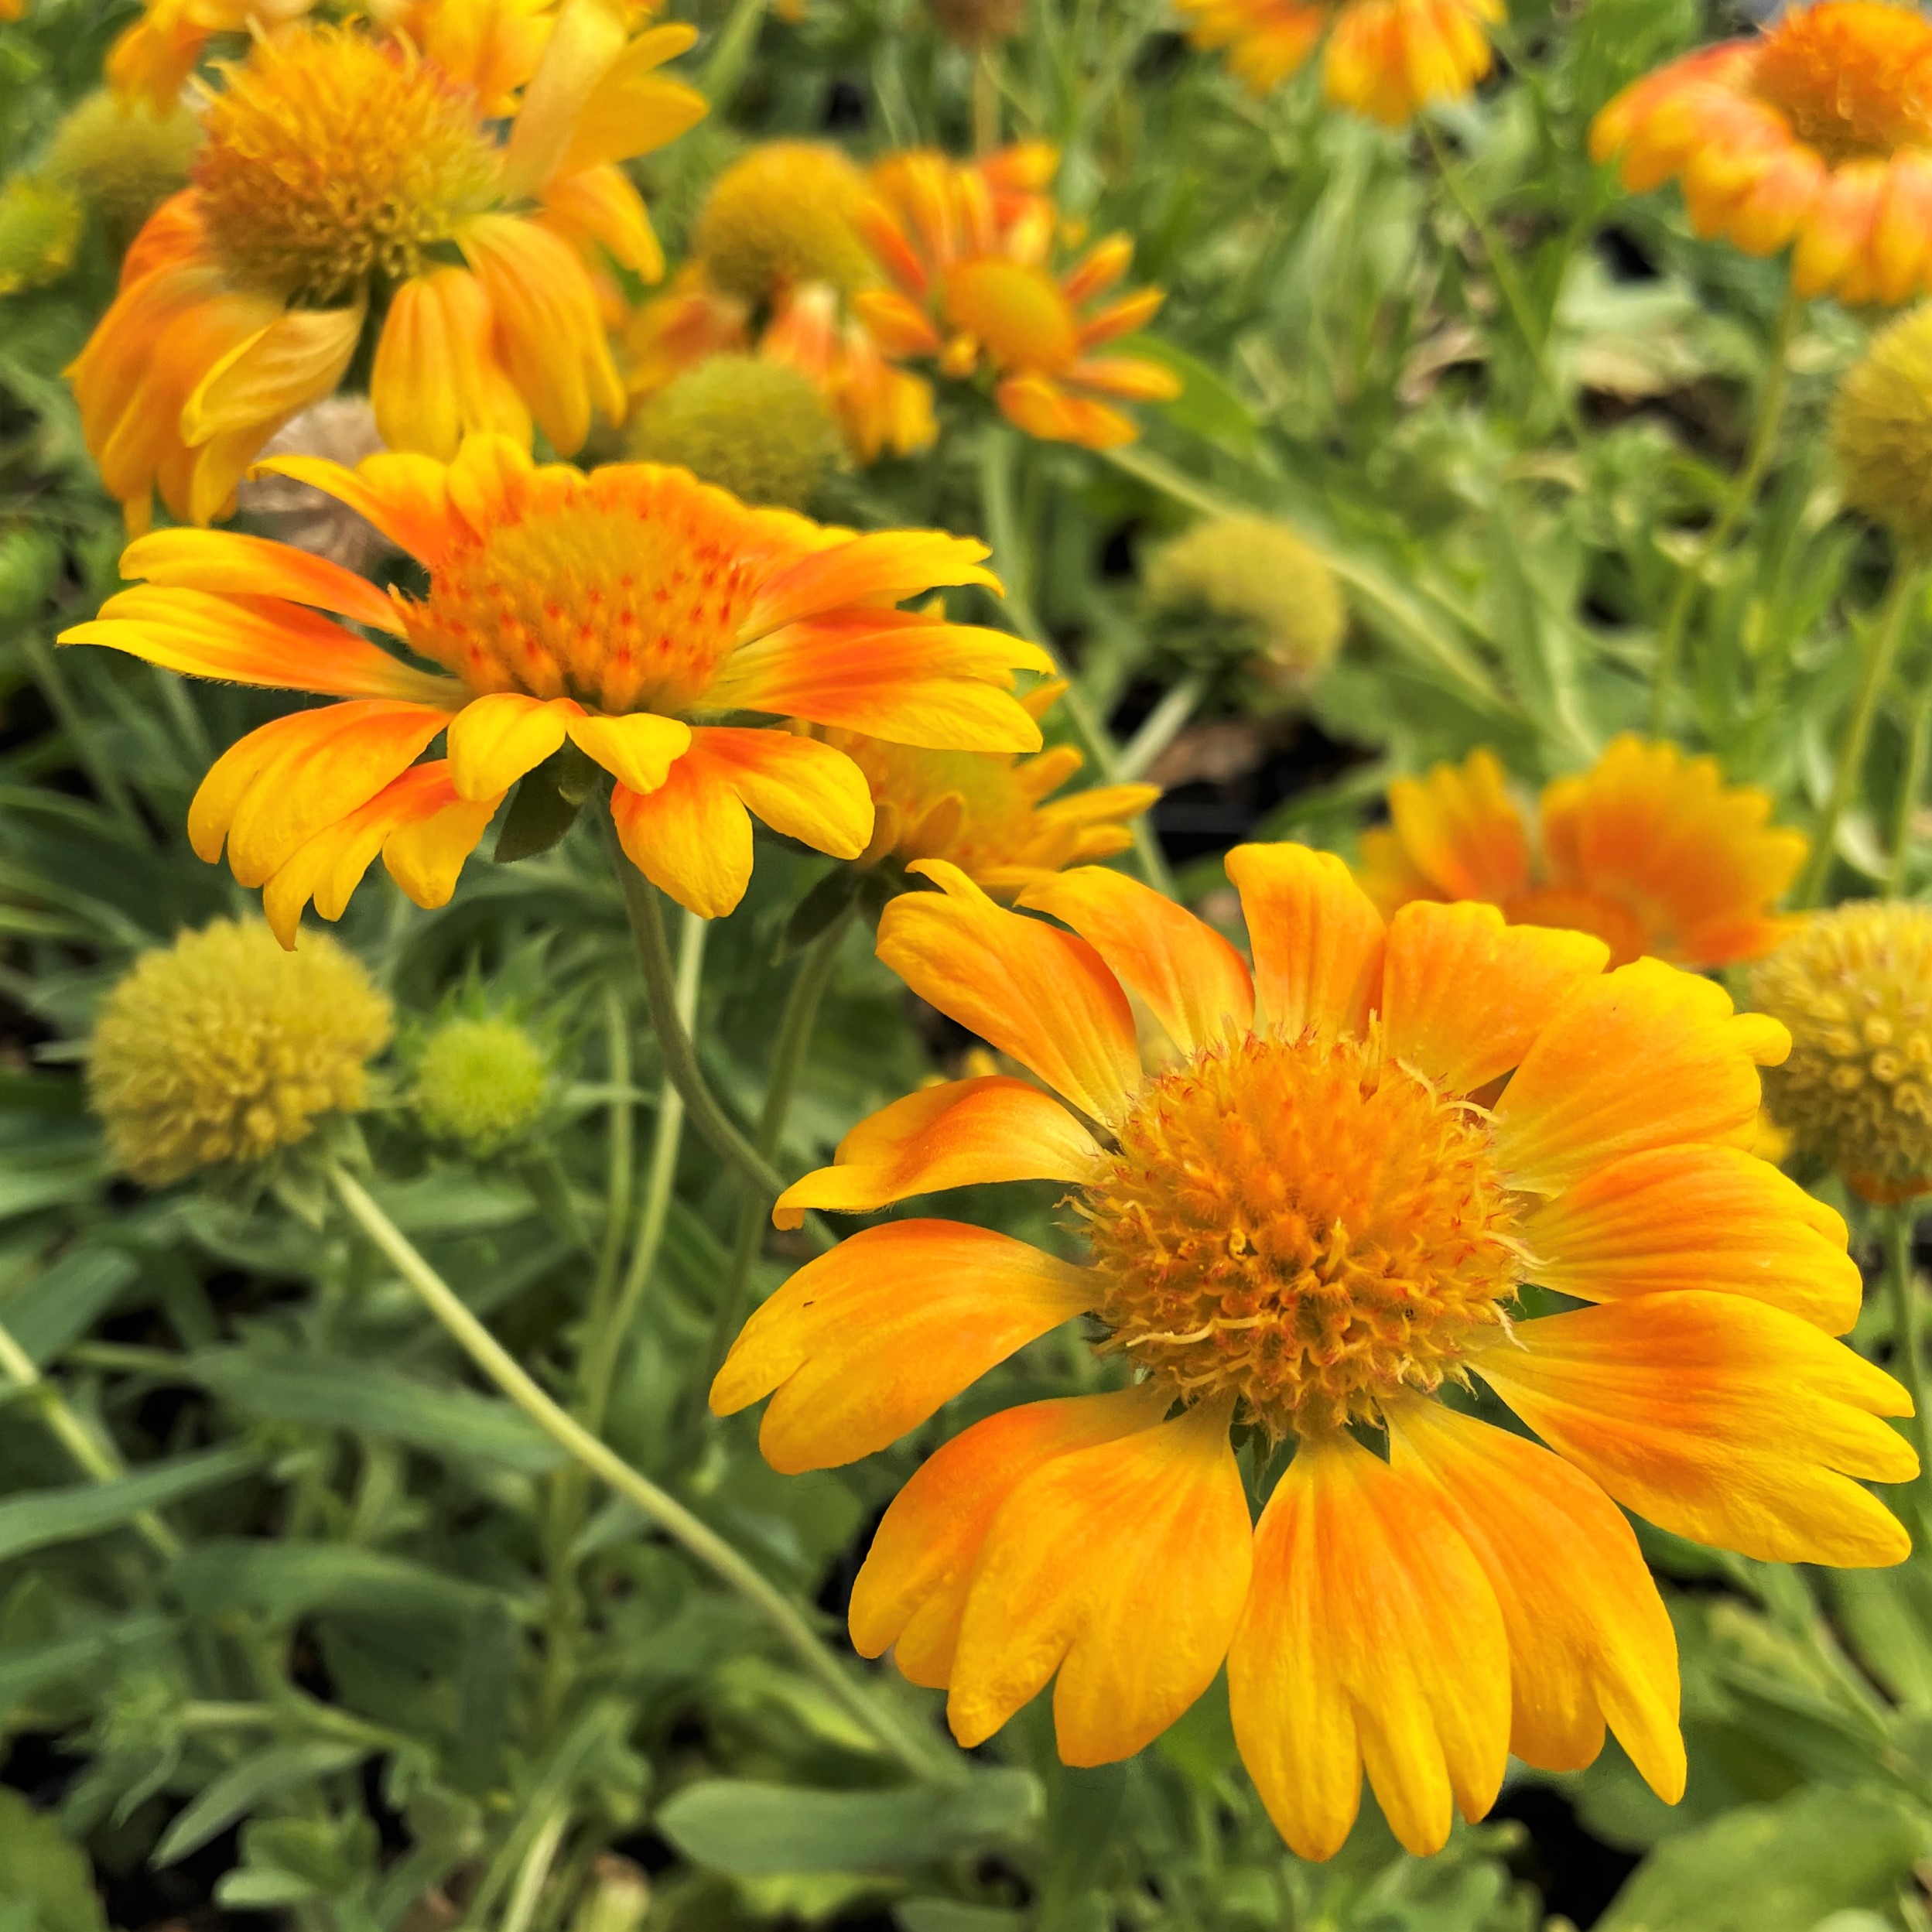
[(122, 158), (758, 428), (782, 215), (40, 224), (479, 1082)]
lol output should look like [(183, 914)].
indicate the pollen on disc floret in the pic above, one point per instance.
[(1305, 1224)]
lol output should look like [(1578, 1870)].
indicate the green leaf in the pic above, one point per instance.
[(753, 1830), (48, 1517), (953, 1915), (66, 1300), (544, 808), (285, 1580), (24, 1672), (1776, 1868), (48, 1881), (1207, 405), (242, 1786)]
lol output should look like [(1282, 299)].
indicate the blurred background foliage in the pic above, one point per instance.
[(295, 1621)]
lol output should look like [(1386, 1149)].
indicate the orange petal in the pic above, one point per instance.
[(1371, 1635), (638, 749), (883, 568), (598, 207), (406, 496), (1728, 1421), (1643, 1056), (961, 1133), (1589, 1637), (1317, 941), (801, 788), (911, 1592), (1043, 996), (1043, 407), (425, 855), (1463, 995), (1123, 1567), (1459, 827), (226, 562), (867, 1342), (1196, 983), (494, 740), (1697, 1217), (691, 838), (437, 376)]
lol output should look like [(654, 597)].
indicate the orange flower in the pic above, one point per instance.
[(335, 170), (1649, 849), (1299, 1220), (1386, 59), (966, 246), (1816, 132), (620, 610)]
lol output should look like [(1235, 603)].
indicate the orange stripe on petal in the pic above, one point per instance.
[(1721, 1419), (1371, 1636), (1459, 827), (880, 569), (801, 788), (961, 1133), (868, 1341), (426, 856), (1123, 1566), (1043, 996), (226, 562), (1697, 1217), (1316, 939)]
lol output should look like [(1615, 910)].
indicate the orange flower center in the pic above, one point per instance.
[(624, 589), (1854, 77), (1017, 312), (1304, 1224), (328, 160)]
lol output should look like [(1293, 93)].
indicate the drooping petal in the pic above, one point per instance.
[(805, 789), (1371, 1636), (1196, 983), (960, 1133), (1589, 1637), (226, 562), (1644, 1057), (868, 1341), (494, 740), (1697, 1217), (598, 207), (1123, 1566), (690, 837), (1043, 996), (1728, 1421), (1317, 940), (910, 1593), (436, 377), (638, 749), (585, 44)]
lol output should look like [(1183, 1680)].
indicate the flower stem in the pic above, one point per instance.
[(674, 1043), (1743, 491), (1881, 639), (702, 1545), (1918, 743), (1162, 727), (986, 102), (1908, 1355)]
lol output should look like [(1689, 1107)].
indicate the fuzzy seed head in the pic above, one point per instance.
[(757, 427), (40, 223), (122, 158), (1882, 428), (782, 216), (222, 1048), (479, 1082)]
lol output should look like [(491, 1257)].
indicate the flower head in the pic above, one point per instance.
[(1855, 987), (991, 814), (749, 425), (1386, 59), (623, 611), (344, 173), (781, 216), (1311, 1213), (40, 223), (1649, 850), (974, 24), (479, 1081), (224, 1048), (1816, 132), (124, 159), (1882, 428), (968, 247)]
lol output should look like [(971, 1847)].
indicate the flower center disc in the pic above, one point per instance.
[(328, 160), (1018, 312), (623, 589), (1304, 1224), (1854, 78)]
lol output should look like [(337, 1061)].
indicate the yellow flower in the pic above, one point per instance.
[(123, 159), (223, 1048), (338, 169), (967, 248), (781, 216), (1649, 849), (629, 611), (749, 425), (479, 1082), (40, 222), (1309, 1213), (1882, 429), (1855, 987)]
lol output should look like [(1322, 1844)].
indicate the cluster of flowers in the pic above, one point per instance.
[(1314, 1180)]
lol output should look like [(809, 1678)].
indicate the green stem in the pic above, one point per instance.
[(1881, 647), (674, 1043), (1918, 743), (986, 102), (1908, 1355), (95, 1457), (521, 1907), (1743, 493), (702, 1545), (616, 1220), (731, 54), (1162, 727)]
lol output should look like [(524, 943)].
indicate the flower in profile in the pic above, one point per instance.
[(753, 426), (1386, 59), (1882, 429), (1816, 132), (1249, 591), (1649, 850), (968, 247), (340, 175), (624, 611), (123, 158), (40, 224), (991, 814), (223, 1048), (1854, 988), (479, 1081), (1311, 1216), (783, 215)]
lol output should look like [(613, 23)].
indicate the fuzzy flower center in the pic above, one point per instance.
[(1304, 1224), (328, 161), (1854, 77), (623, 591)]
